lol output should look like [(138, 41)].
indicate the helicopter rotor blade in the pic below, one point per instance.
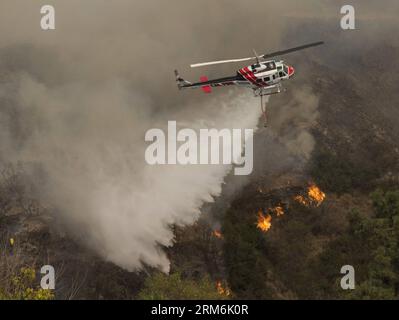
[(265, 56), (281, 52), (220, 62)]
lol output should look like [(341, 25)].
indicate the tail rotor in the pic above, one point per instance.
[(180, 81)]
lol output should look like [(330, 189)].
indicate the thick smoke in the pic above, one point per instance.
[(76, 103), (90, 144), (293, 120)]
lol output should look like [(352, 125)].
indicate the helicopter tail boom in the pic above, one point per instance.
[(181, 83)]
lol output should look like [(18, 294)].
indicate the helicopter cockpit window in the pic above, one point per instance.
[(285, 69)]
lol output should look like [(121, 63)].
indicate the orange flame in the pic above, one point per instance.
[(279, 211), (217, 234), (316, 194), (301, 200), (264, 222), (222, 290)]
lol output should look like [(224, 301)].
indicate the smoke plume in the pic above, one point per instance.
[(75, 104)]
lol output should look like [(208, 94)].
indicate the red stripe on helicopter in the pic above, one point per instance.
[(246, 75), (206, 88), (250, 76), (260, 83)]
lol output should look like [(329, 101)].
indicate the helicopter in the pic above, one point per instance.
[(264, 76)]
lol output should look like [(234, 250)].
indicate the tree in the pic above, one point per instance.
[(22, 287), (386, 204), (161, 286), (383, 239)]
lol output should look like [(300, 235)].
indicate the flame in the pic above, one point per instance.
[(217, 234), (264, 222), (279, 211), (222, 290), (316, 194), (301, 200)]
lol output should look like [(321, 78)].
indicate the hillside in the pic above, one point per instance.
[(354, 125)]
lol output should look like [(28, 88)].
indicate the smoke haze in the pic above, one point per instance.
[(76, 103)]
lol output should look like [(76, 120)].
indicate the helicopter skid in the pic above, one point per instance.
[(267, 91)]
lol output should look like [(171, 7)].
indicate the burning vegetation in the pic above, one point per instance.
[(301, 200), (217, 234), (222, 290), (314, 196), (264, 221), (279, 211)]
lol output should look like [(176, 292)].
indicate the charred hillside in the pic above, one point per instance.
[(355, 153)]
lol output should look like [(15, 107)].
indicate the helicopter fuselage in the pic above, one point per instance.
[(263, 77), (265, 74)]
